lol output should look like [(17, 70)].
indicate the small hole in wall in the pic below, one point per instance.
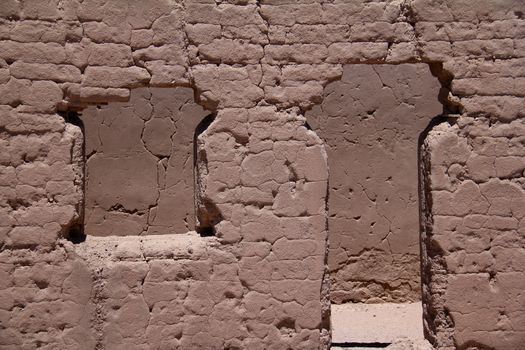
[(15, 103), (287, 324), (73, 118), (205, 231), (76, 234)]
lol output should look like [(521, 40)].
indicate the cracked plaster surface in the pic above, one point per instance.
[(371, 121), (266, 262), (139, 163), (473, 241), (244, 54)]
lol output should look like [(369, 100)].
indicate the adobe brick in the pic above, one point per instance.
[(356, 52), (202, 33), (141, 38), (352, 12), (512, 28), (298, 53), (32, 52), (171, 54), (103, 95), (38, 31), (100, 32), (43, 96), (311, 34), (166, 75), (251, 33), (287, 96), (505, 108), (9, 9), (381, 31), (111, 55), (238, 16), (287, 15), (436, 50), (5, 75), (168, 29), (115, 77), (489, 86), (402, 52), (495, 48), (43, 71), (38, 9), (231, 51), (24, 236), (203, 13)]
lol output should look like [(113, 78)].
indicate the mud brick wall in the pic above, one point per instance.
[(371, 121), (259, 66)]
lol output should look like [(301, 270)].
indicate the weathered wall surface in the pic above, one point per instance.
[(258, 284), (139, 163), (370, 121), (473, 251), (240, 56)]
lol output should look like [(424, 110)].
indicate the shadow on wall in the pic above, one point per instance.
[(207, 213)]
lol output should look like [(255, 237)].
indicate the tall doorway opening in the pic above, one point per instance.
[(371, 121)]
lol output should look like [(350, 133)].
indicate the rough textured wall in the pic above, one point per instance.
[(240, 56), (259, 283), (139, 163), (474, 234), (370, 121)]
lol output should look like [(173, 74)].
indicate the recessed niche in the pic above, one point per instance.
[(139, 163)]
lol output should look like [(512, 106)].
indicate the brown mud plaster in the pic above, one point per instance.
[(371, 121), (139, 163), (255, 64)]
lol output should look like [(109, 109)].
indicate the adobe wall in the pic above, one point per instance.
[(258, 283), (260, 65)]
